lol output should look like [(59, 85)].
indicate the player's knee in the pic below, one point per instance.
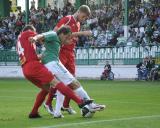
[(54, 82), (46, 87), (75, 84)]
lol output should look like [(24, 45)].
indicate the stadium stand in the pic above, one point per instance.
[(106, 22)]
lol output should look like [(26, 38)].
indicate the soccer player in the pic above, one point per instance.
[(67, 53), (50, 57), (37, 73)]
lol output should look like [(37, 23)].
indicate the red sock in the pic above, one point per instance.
[(52, 92), (65, 90), (66, 102), (39, 100)]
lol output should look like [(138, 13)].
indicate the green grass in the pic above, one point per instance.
[(130, 105)]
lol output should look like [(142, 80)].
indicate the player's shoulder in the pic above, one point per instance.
[(50, 35), (67, 18), (64, 20), (27, 34)]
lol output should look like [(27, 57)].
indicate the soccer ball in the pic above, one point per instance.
[(86, 112)]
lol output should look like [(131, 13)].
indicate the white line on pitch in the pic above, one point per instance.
[(101, 121)]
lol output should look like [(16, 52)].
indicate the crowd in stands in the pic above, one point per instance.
[(106, 22), (43, 19)]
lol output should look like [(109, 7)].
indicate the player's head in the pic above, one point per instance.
[(83, 13), (65, 34), (29, 27)]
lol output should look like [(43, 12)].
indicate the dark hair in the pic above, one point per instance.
[(64, 30), (85, 9), (29, 27)]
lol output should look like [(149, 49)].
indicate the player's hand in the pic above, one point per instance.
[(32, 39), (39, 56)]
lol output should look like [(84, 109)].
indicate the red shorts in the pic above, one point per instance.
[(68, 60), (37, 73)]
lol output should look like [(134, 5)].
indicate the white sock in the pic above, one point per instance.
[(82, 93), (59, 102)]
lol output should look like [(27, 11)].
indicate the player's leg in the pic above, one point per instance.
[(69, 93), (63, 75), (66, 107), (50, 96), (67, 78), (38, 102), (66, 91), (48, 102), (43, 78), (58, 71), (81, 93), (70, 66), (78, 88), (36, 73), (59, 104), (52, 92), (39, 98)]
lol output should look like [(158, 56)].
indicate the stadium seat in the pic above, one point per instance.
[(84, 54)]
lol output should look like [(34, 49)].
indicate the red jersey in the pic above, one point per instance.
[(75, 27), (25, 49)]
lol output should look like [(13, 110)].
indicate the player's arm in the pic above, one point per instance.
[(55, 29), (41, 38), (82, 33), (38, 38)]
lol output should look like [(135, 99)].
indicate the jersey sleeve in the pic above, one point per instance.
[(63, 21), (49, 36)]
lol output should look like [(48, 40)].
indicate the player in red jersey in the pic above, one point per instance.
[(67, 53), (37, 73)]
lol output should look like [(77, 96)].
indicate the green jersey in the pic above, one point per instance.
[(52, 47)]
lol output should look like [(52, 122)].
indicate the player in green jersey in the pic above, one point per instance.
[(50, 57)]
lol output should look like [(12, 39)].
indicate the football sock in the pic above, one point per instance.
[(82, 93), (39, 100), (59, 102), (51, 94), (66, 102), (65, 90)]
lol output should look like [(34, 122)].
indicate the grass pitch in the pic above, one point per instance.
[(130, 105)]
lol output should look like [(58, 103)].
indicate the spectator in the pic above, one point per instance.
[(106, 21)]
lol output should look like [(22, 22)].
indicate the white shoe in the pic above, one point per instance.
[(58, 115), (49, 109), (96, 107), (70, 110)]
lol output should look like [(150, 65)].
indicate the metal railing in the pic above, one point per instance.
[(98, 55), (116, 55)]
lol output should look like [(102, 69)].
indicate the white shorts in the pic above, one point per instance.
[(60, 72)]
